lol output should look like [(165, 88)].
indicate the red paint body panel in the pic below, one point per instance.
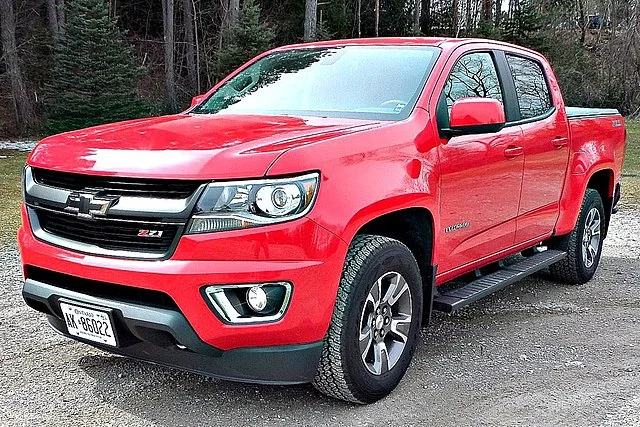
[(512, 189), (546, 154), (595, 146), (185, 146)]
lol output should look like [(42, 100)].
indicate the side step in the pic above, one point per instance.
[(486, 285)]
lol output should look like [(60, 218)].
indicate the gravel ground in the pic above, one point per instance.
[(536, 353)]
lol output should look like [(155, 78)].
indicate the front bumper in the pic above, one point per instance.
[(299, 252), (165, 337)]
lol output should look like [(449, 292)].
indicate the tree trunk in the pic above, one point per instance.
[(197, 43), (425, 17), (377, 17), (359, 17), (230, 14), (498, 13), (52, 18), (61, 18), (468, 24), (189, 39), (169, 47), (234, 11), (454, 14), (26, 118), (310, 20), (417, 10), (487, 10), (582, 20)]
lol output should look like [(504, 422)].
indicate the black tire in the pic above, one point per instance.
[(342, 372), (572, 269)]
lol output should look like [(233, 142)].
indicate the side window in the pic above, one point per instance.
[(531, 87), (474, 75)]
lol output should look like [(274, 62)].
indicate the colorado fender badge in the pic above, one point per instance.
[(456, 227)]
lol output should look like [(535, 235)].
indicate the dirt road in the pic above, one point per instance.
[(536, 353)]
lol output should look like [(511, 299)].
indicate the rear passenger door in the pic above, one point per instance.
[(546, 152)]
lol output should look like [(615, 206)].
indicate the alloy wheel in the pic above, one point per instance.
[(385, 323)]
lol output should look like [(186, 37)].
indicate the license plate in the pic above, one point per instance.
[(89, 324)]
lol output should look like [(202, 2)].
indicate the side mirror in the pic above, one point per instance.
[(476, 115), (196, 100)]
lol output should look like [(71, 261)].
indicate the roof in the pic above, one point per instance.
[(403, 41)]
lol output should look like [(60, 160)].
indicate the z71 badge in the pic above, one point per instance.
[(150, 233)]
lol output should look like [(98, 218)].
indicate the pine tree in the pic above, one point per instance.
[(246, 38), (524, 27), (95, 77)]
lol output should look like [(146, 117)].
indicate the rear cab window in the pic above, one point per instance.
[(534, 98)]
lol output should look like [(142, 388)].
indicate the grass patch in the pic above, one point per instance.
[(11, 164), (630, 191), (632, 156)]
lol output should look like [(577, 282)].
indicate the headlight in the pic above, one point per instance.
[(244, 204)]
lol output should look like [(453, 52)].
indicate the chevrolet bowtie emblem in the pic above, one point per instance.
[(89, 205)]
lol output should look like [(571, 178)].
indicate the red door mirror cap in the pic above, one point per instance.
[(196, 100), (477, 113)]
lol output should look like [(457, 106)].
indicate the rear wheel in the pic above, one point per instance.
[(584, 244), (375, 323)]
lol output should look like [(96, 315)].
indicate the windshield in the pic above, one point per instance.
[(367, 82)]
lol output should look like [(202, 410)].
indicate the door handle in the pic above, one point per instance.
[(560, 142), (513, 151)]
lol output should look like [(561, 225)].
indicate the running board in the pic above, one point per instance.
[(486, 285)]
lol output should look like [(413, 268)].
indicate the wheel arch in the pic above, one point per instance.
[(413, 226), (601, 179)]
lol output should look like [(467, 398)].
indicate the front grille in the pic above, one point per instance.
[(115, 186), (108, 233), (101, 289)]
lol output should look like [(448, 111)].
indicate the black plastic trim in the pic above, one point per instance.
[(616, 198), (510, 98), (534, 119), (165, 337)]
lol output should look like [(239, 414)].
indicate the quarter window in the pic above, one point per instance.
[(474, 75), (531, 87)]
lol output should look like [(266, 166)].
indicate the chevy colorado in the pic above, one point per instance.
[(297, 222)]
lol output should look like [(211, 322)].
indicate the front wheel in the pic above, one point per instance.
[(375, 323), (584, 244)]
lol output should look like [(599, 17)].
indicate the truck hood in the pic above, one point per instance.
[(186, 146)]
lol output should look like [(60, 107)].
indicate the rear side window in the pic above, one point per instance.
[(531, 87), (474, 75)]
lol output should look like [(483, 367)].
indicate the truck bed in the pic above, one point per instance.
[(579, 112), (596, 130)]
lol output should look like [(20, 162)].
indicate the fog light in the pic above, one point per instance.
[(249, 303), (257, 299)]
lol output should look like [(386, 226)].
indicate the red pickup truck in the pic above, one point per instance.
[(296, 223)]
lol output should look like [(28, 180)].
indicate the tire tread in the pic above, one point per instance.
[(566, 270), (331, 376)]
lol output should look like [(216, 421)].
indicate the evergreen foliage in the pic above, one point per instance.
[(524, 27), (247, 38), (94, 79)]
